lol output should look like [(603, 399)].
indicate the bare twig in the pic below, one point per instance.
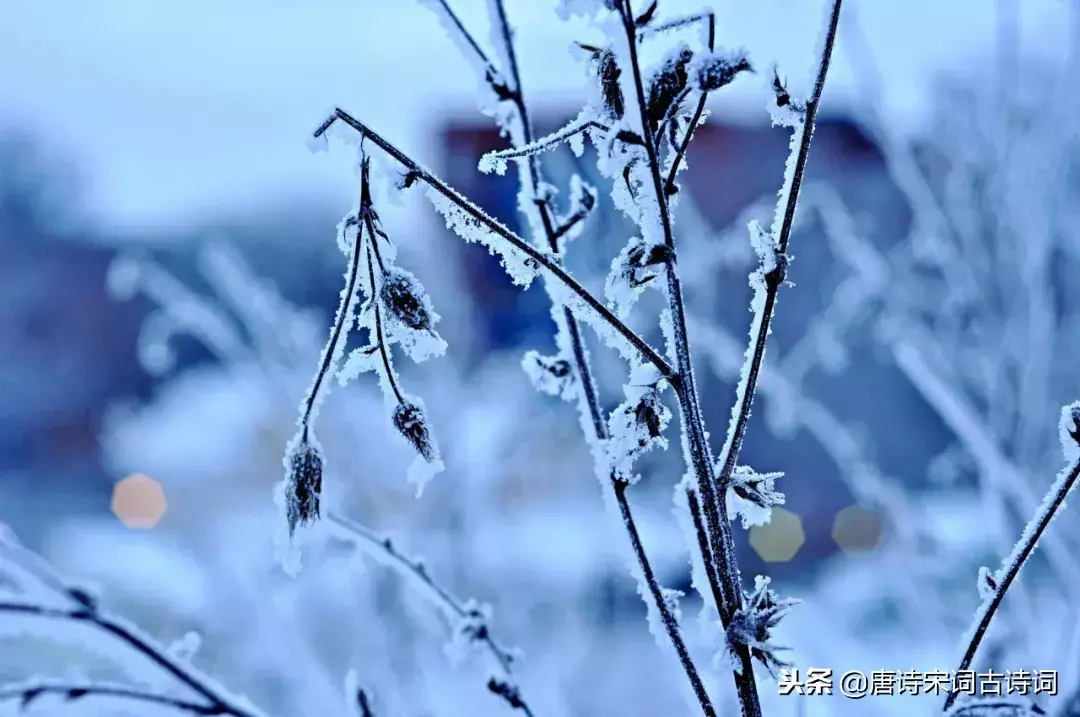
[(775, 278), (27, 692), (455, 609), (73, 604), (80, 613), (545, 143), (542, 258), (1054, 501)]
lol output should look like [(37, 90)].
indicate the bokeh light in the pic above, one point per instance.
[(857, 530), (780, 539), (138, 501)]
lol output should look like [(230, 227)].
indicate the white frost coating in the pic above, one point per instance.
[(495, 161), (988, 582), (418, 344), (552, 375), (577, 145), (317, 145), (790, 115), (360, 361), (680, 509), (637, 425), (348, 232), (764, 245), (492, 162), (1052, 505), (1070, 418), (521, 268)]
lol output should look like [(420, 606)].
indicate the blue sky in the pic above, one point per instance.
[(176, 109)]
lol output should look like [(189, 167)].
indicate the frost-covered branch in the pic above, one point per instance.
[(50, 598), (71, 693), (496, 161), (591, 308), (995, 585), (471, 48), (772, 249), (469, 620)]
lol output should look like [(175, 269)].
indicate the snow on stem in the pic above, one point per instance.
[(999, 582), (775, 266)]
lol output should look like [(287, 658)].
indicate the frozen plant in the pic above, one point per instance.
[(641, 120)]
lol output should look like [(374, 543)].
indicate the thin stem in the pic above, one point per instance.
[(703, 544), (588, 386), (380, 340), (775, 279), (721, 543), (676, 24), (1021, 552), (489, 67), (72, 691), (383, 550), (547, 142), (219, 704), (340, 322), (543, 258)]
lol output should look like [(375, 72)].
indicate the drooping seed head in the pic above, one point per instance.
[(304, 485), (411, 422)]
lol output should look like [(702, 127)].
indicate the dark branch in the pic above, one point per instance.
[(384, 550), (1019, 556), (543, 258), (27, 693), (774, 279)]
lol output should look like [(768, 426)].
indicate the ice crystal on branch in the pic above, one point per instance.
[(637, 425), (751, 495), (632, 271), (751, 626)]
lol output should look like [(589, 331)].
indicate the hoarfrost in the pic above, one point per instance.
[(522, 269)]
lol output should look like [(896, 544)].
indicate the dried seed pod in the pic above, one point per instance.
[(608, 71), (405, 299), (667, 84), (304, 485), (411, 422), (712, 70)]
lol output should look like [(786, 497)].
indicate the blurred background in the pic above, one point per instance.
[(170, 273)]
